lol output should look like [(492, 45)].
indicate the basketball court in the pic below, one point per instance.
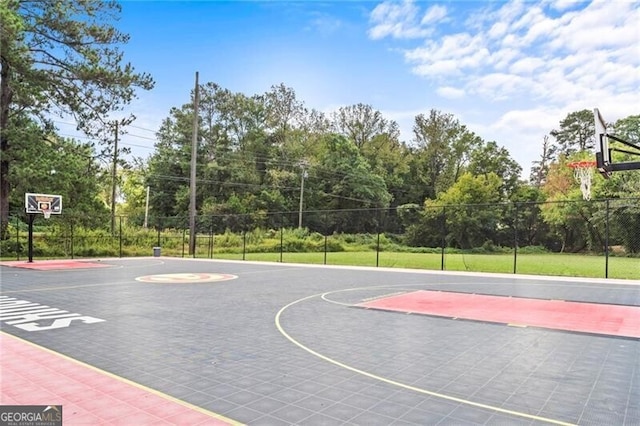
[(187, 341), (205, 342)]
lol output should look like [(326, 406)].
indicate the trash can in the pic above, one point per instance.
[(156, 252)]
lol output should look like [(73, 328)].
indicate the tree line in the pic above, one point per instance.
[(257, 153)]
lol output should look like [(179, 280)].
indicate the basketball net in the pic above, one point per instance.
[(46, 213), (583, 172)]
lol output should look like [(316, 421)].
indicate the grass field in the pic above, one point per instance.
[(573, 265)]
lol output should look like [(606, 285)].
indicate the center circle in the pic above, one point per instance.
[(183, 278)]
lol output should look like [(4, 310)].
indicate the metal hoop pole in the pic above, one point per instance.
[(31, 218)]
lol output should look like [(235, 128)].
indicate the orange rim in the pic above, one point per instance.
[(581, 164)]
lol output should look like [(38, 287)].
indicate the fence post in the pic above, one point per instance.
[(378, 243), (72, 238), (244, 243), (195, 236), (17, 238), (326, 219), (378, 251), (184, 233), (444, 236), (515, 238), (281, 235), (120, 231), (606, 240), (211, 240)]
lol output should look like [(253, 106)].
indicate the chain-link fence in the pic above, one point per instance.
[(587, 238)]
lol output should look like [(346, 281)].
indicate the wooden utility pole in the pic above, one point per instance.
[(192, 185), (114, 179)]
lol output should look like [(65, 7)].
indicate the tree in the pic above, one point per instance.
[(541, 167), (443, 148), (345, 181), (576, 133), (59, 57), (60, 166), (628, 128), (625, 223), (314, 122), (168, 167), (134, 192), (572, 219), (389, 159), (470, 209), (490, 158), (360, 123), (284, 109), (524, 214)]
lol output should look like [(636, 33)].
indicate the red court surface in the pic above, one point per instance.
[(615, 320), (31, 375), (47, 265)]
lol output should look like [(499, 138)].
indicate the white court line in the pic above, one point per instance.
[(399, 384)]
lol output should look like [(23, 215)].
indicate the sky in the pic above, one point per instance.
[(508, 70)]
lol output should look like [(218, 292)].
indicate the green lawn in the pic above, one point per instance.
[(573, 265)]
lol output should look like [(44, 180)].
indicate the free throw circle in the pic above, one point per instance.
[(184, 278)]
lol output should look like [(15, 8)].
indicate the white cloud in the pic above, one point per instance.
[(503, 58), (526, 65), (532, 62), (564, 4), (434, 14), (529, 119), (600, 25), (400, 20), (498, 30), (500, 86), (541, 29), (455, 52), (512, 10), (450, 92), (448, 67)]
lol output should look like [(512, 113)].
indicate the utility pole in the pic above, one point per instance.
[(114, 178), (192, 186), (303, 176)]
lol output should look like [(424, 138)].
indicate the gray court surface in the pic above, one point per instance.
[(283, 344)]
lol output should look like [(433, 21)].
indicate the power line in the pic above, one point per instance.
[(100, 142), (142, 128), (129, 125), (247, 157), (251, 185), (258, 159), (141, 137), (124, 134)]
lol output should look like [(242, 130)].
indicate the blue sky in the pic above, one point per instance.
[(508, 70)]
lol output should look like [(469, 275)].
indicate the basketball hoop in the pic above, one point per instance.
[(583, 172), (46, 213)]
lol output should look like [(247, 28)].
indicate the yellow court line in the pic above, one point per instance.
[(399, 384), (132, 383), (90, 268), (107, 266)]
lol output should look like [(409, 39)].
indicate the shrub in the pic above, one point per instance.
[(532, 250), (11, 247)]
